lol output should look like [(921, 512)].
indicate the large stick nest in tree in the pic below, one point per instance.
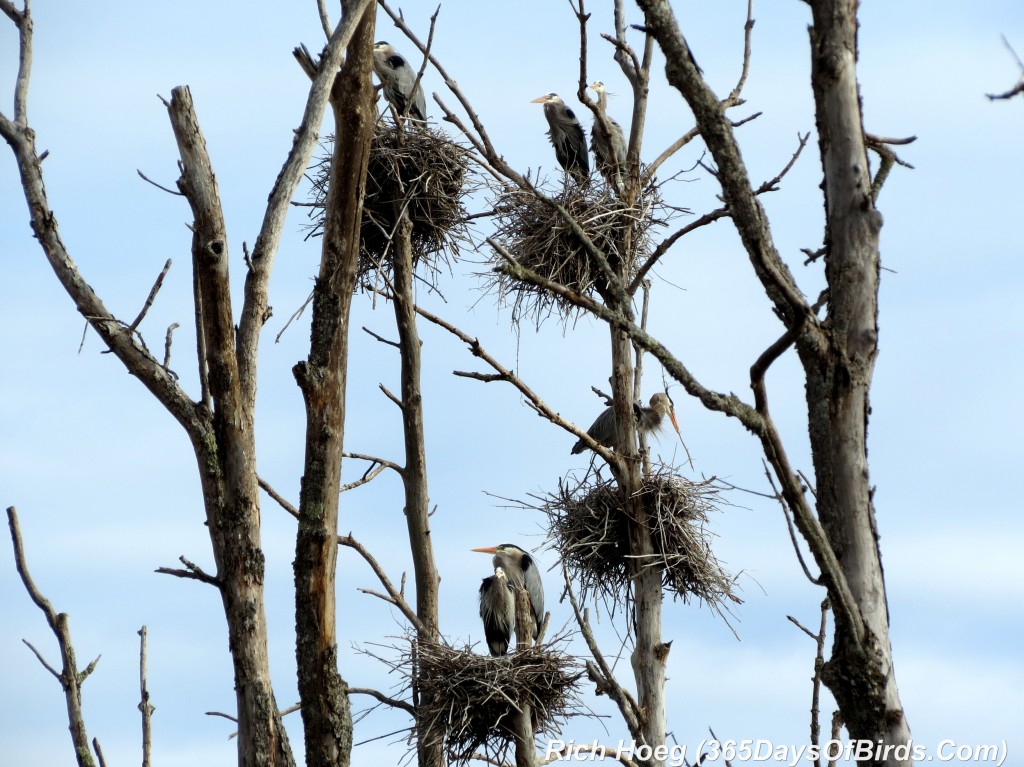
[(417, 168), (473, 699), (589, 528), (534, 232)]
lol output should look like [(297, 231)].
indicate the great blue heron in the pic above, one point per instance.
[(609, 150), (605, 429), (518, 569), (567, 136), (498, 611), (397, 79)]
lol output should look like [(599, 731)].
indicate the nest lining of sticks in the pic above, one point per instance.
[(535, 234), (590, 531), (473, 698), (434, 173)]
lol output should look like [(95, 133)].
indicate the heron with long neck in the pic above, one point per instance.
[(567, 137), (609, 147), (398, 82), (513, 568), (605, 429)]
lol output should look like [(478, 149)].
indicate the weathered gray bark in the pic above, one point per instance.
[(326, 712), (220, 425), (861, 677), (429, 744), (227, 456), (837, 354)]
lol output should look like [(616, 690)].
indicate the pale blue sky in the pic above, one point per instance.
[(105, 482)]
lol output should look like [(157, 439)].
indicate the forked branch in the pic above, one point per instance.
[(70, 677)]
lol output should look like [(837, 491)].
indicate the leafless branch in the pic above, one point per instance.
[(505, 374), (383, 699), (191, 571), (771, 185), (393, 596), (325, 19), (23, 21), (375, 460), (601, 674), (70, 677), (789, 526), (281, 500), (167, 345), (145, 707), (368, 476), (294, 316), (151, 297), (761, 365), (888, 158), (254, 307), (1016, 89), (41, 659), (381, 338), (161, 187), (99, 752)]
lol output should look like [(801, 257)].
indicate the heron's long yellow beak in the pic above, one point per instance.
[(675, 423), (540, 99), (487, 550)]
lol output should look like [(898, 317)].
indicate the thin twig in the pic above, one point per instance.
[(393, 595), (151, 297), (192, 571), (281, 501), (161, 187), (383, 699)]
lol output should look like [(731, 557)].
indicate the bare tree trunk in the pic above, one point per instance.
[(837, 354), (649, 653), (414, 474), (326, 712), (227, 455), (861, 677)]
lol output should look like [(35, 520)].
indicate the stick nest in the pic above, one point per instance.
[(473, 698), (534, 233), (590, 530), (434, 174)]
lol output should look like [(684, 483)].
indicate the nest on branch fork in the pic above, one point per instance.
[(417, 169), (535, 234), (589, 528), (473, 699)]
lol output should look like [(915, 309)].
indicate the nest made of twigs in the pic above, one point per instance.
[(533, 232), (589, 528), (415, 167), (473, 699)]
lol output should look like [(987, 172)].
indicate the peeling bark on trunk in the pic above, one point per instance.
[(326, 712)]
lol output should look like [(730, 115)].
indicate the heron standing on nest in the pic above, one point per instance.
[(397, 80), (610, 149), (605, 430), (567, 137), (513, 568)]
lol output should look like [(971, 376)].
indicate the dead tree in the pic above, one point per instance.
[(220, 423)]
